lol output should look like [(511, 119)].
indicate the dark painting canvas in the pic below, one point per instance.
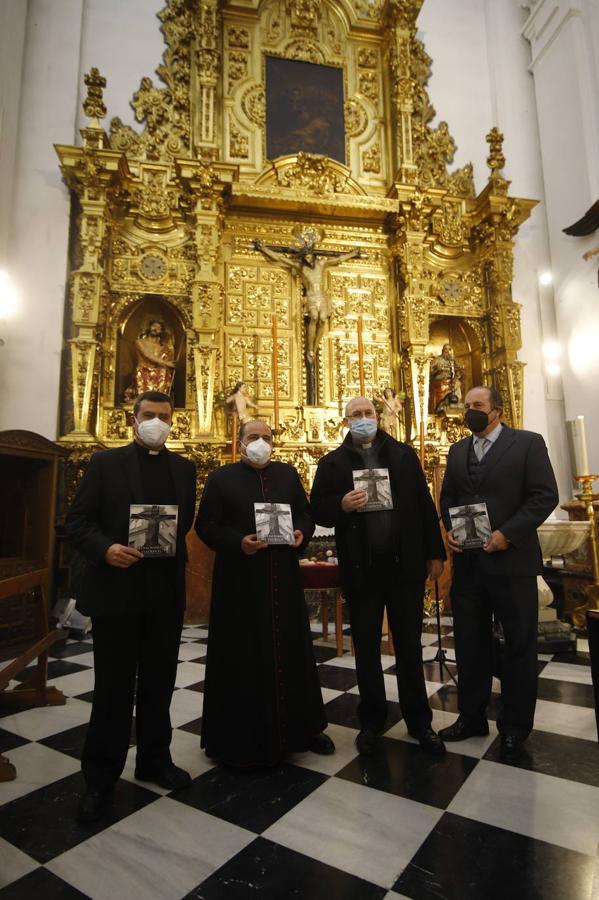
[(304, 109)]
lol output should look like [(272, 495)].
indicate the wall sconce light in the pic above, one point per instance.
[(545, 278)]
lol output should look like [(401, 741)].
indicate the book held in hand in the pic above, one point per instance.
[(274, 524), (378, 487), (153, 529), (470, 525)]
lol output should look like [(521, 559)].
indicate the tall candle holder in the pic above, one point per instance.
[(587, 496)]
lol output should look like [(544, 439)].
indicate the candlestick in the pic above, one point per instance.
[(234, 438), (581, 443), (361, 357), (275, 372)]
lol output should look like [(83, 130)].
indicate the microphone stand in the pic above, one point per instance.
[(441, 656)]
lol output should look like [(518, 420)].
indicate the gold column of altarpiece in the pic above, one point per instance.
[(165, 221)]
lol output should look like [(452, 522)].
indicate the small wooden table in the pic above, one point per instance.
[(324, 577)]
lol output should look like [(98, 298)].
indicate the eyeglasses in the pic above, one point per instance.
[(370, 414)]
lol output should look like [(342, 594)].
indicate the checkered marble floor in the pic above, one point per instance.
[(399, 824)]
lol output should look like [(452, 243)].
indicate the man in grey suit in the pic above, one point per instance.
[(510, 471)]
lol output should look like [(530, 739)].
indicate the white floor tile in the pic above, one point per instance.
[(329, 694), (186, 706), (13, 863), (75, 684), (41, 722), (365, 832), (189, 673), (567, 672), (191, 651), (543, 807), (36, 767), (160, 852), (345, 751), (347, 661), (563, 718)]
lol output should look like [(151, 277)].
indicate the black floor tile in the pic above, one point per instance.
[(8, 741), (193, 727), (343, 711), (432, 673), (270, 872), (199, 659), (580, 658), (198, 686), (252, 798), (566, 692), (323, 654), (431, 628), (43, 884), (61, 650), (88, 696), (56, 668), (466, 860), (555, 754), (401, 768), (42, 823), (337, 678), (69, 742)]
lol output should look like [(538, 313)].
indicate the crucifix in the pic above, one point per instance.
[(153, 517), (470, 514), (310, 264)]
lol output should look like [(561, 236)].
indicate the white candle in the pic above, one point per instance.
[(581, 446)]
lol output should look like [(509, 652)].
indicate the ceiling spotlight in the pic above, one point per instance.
[(545, 278)]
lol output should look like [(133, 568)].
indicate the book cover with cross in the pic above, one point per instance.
[(470, 525), (153, 529), (274, 523), (378, 487)]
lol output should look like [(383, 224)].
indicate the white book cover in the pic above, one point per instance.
[(377, 485), (274, 524), (153, 529), (470, 525)]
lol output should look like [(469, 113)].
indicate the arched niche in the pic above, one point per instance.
[(134, 323), (466, 345)]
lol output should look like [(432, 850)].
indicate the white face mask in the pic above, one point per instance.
[(153, 432), (258, 452)]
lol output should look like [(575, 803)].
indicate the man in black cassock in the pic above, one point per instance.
[(262, 697)]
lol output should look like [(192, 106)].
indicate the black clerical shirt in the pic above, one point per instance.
[(379, 523)]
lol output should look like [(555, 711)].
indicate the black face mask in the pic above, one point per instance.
[(476, 420)]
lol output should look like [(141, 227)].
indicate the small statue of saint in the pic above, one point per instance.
[(445, 380), (155, 364), (391, 407), (239, 402)]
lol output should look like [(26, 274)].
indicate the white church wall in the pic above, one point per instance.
[(563, 35), (13, 17)]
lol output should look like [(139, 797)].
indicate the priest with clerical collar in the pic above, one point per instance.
[(134, 590), (262, 698)]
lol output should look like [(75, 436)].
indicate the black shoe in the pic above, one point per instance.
[(511, 748), (367, 742), (430, 741), (170, 777), (321, 743), (461, 730), (93, 806)]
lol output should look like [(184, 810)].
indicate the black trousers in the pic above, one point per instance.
[(475, 596), (385, 587), (145, 646)]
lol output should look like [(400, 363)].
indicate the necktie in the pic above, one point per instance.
[(480, 447)]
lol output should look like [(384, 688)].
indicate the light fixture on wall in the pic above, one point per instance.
[(545, 278), (552, 352), (8, 298)]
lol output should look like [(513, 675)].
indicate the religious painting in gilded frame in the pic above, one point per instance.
[(304, 109)]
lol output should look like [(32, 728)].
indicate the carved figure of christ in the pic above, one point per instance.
[(372, 481), (153, 518)]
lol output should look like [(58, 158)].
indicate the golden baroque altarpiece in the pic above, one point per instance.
[(164, 222)]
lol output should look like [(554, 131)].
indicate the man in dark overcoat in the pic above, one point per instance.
[(384, 556), (136, 603)]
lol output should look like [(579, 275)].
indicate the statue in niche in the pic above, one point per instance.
[(155, 364), (239, 402), (310, 264), (446, 380), (391, 407)]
